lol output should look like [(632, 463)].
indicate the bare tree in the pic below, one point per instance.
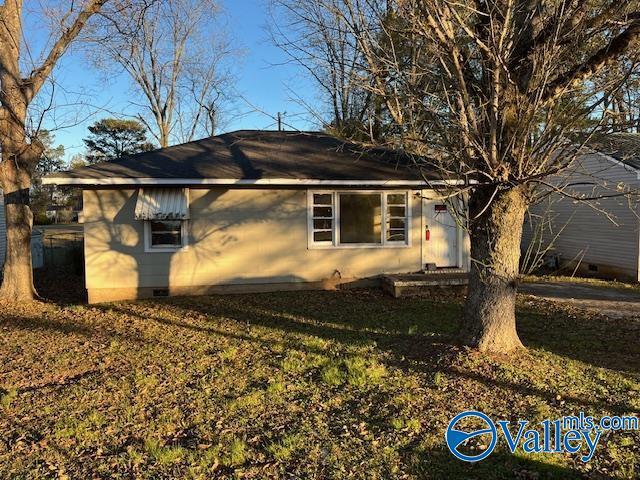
[(317, 38), (621, 107), (174, 51), (19, 144), (489, 91)]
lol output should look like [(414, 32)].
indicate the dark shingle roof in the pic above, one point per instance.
[(257, 155), (624, 147)]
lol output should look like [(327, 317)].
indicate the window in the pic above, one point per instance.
[(397, 217), (322, 218), (165, 235), (358, 219)]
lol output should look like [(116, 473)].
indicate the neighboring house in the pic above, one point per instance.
[(601, 237), (3, 231), (258, 211), (61, 214)]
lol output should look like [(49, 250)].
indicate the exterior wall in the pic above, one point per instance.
[(238, 237), (3, 232), (589, 235)]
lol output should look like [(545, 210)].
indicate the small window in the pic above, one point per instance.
[(165, 235), (323, 218), (397, 217)]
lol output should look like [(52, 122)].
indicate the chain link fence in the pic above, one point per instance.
[(63, 250)]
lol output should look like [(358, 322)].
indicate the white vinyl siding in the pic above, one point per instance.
[(605, 232), (3, 232)]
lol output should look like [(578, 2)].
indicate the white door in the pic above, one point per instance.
[(440, 239)]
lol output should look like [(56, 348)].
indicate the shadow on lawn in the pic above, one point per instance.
[(61, 284), (412, 327), (370, 315), (593, 339), (414, 334), (439, 463), (428, 350)]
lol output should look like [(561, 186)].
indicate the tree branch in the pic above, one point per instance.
[(616, 47), (36, 79)]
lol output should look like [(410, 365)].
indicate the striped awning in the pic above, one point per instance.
[(162, 204)]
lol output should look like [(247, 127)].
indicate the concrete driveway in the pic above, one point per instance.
[(615, 303)]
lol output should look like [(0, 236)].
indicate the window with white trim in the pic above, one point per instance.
[(358, 218), (165, 235), (322, 218), (396, 219)]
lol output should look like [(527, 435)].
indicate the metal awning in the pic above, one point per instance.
[(162, 204)]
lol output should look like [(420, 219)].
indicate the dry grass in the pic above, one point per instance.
[(295, 385)]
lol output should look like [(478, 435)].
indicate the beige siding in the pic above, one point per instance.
[(603, 232), (239, 236), (3, 232)]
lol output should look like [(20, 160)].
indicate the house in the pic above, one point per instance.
[(3, 231), (600, 237), (259, 211), (61, 214)]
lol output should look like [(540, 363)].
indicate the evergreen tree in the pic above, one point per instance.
[(113, 138)]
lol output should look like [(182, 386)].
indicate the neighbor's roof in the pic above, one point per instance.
[(254, 158), (624, 147)]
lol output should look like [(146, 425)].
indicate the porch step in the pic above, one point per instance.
[(400, 285)]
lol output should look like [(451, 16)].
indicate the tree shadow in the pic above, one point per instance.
[(119, 263), (596, 340), (33, 323), (60, 285), (429, 350), (440, 463)]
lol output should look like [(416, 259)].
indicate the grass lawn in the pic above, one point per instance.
[(297, 385)]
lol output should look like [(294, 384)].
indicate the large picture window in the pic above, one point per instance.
[(358, 219)]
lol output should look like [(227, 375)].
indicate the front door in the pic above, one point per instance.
[(440, 239)]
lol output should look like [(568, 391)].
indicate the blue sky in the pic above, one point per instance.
[(262, 81)]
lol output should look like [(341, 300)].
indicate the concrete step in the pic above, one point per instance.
[(412, 283)]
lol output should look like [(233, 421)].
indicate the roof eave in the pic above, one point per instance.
[(280, 182)]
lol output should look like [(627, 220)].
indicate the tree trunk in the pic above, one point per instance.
[(17, 284), (17, 281), (21, 152), (489, 322)]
